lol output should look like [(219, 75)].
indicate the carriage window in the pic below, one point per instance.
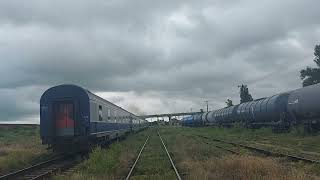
[(100, 113), (109, 113), (64, 114)]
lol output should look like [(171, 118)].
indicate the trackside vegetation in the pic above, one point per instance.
[(199, 159), (115, 161), (20, 147), (154, 162), (112, 162), (195, 157), (296, 142)]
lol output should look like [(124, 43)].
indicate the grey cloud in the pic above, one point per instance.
[(19, 103), (184, 52)]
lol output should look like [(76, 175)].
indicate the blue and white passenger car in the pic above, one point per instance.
[(72, 117)]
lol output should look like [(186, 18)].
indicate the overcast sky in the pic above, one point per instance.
[(153, 56)]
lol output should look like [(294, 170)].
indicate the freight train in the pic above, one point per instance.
[(72, 118), (280, 111)]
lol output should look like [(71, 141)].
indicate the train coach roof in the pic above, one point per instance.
[(62, 89), (76, 89), (98, 97)]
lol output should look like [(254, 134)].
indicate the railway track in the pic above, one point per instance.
[(263, 151), (136, 161), (217, 146), (131, 172), (172, 163), (43, 169)]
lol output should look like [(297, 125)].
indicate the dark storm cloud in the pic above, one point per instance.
[(20, 103), (171, 54)]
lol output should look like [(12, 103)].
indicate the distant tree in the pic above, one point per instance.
[(245, 96), (229, 103), (311, 75)]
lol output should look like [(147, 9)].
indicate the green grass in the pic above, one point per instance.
[(154, 163), (293, 143), (14, 135), (109, 163), (20, 147), (198, 159), (195, 157), (102, 161), (115, 161)]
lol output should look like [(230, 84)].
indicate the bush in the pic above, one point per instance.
[(102, 161)]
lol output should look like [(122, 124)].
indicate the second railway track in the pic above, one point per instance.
[(263, 151), (164, 147), (44, 169)]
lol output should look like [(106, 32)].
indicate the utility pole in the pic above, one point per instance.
[(207, 102)]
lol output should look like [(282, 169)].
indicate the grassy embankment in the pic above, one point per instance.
[(196, 159), (20, 147)]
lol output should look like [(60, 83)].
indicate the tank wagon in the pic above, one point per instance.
[(280, 111), (73, 118), (187, 121)]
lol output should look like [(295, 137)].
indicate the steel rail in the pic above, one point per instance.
[(137, 159), (217, 146), (266, 152), (172, 164), (42, 169), (23, 171)]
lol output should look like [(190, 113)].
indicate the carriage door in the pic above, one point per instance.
[(64, 118)]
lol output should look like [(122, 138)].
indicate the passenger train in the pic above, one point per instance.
[(280, 111), (73, 118)]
